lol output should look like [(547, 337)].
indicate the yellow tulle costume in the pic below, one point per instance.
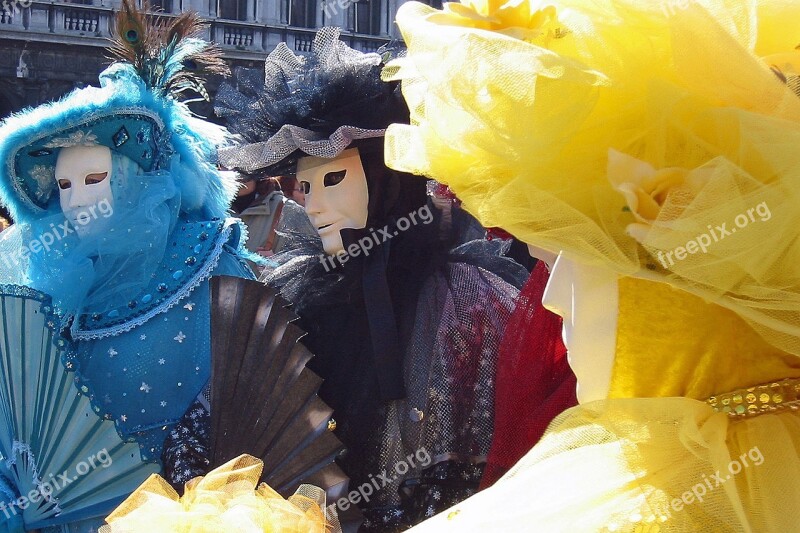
[(618, 132), (228, 498), (659, 139)]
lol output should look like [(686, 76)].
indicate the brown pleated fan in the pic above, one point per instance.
[(263, 398)]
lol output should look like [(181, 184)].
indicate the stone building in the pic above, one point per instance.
[(49, 48)]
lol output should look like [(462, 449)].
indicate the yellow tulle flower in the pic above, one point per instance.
[(520, 19), (647, 190), (229, 498)]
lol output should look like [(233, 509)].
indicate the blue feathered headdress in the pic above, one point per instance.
[(136, 112)]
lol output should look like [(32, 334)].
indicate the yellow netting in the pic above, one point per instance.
[(226, 499), (636, 135), (645, 465)]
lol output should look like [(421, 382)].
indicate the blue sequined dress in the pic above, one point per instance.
[(145, 361)]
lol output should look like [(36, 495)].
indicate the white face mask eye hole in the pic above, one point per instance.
[(334, 178), (93, 179), (305, 187), (64, 184)]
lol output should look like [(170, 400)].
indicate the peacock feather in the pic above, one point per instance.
[(166, 51)]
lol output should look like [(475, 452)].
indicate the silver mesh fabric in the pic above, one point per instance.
[(450, 371), (255, 156)]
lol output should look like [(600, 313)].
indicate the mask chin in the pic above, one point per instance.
[(332, 244), (88, 221)]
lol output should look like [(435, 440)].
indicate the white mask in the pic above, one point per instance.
[(587, 299), (83, 175), (336, 195)]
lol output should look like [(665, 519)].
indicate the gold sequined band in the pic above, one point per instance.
[(753, 401)]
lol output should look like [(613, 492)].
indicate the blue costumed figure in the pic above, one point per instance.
[(121, 218)]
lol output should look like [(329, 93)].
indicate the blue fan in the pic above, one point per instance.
[(62, 461)]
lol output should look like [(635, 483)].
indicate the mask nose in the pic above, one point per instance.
[(79, 196), (315, 203), (558, 293)]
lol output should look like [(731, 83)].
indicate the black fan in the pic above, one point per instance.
[(263, 398)]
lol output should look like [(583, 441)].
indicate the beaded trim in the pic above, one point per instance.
[(128, 323), (768, 398)]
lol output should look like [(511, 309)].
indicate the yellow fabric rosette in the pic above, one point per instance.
[(228, 498), (618, 131)]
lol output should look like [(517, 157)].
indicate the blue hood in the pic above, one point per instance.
[(157, 132)]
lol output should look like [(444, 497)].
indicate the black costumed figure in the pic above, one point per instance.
[(404, 317)]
